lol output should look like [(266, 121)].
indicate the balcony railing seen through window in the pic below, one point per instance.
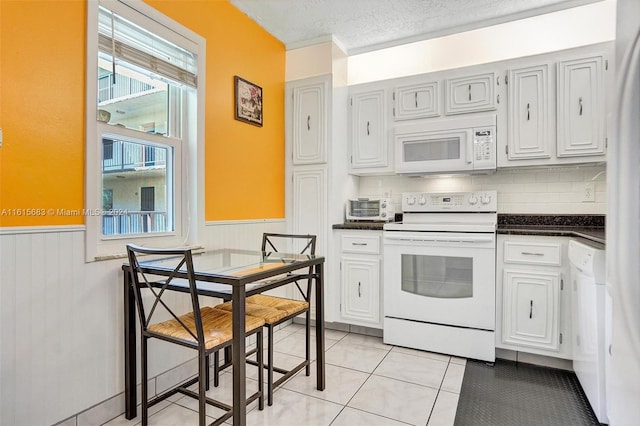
[(121, 156), (137, 187)]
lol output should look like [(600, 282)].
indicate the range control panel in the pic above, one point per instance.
[(476, 201)]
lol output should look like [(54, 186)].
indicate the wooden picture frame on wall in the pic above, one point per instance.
[(248, 102)]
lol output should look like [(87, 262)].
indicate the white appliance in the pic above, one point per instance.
[(450, 145), (623, 222), (370, 209), (440, 274), (588, 321)]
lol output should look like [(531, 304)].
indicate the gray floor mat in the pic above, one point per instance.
[(514, 394)]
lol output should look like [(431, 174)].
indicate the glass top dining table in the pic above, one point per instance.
[(230, 274)]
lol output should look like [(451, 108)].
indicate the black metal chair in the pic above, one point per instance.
[(206, 330), (276, 310)]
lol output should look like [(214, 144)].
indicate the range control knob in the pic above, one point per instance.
[(411, 200), (384, 205), (485, 199), (422, 200), (473, 200)]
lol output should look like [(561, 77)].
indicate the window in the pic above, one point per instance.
[(142, 144)]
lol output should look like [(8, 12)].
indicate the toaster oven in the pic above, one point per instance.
[(378, 209)]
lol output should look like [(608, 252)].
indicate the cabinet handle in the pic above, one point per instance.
[(469, 92), (359, 294), (416, 98), (359, 244), (308, 122), (368, 128), (580, 103), (530, 253), (528, 113), (530, 309)]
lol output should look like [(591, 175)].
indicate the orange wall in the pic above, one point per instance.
[(42, 110), (244, 173), (42, 80)]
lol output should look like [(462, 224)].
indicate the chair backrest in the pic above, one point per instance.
[(178, 264), (303, 244), (296, 243)]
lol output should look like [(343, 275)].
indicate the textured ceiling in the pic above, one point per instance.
[(364, 25)]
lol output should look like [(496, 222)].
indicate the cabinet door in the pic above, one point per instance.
[(368, 130), (581, 107), (360, 290), (310, 124), (530, 309), (309, 204), (531, 134), (310, 211), (470, 94), (416, 101)]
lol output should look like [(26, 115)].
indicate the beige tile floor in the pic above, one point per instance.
[(368, 383)]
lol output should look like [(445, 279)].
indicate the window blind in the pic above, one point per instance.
[(127, 42)]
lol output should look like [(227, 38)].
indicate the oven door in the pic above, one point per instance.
[(441, 278)]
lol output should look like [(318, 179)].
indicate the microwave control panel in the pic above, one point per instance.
[(484, 143)]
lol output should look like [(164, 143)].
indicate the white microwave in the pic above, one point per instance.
[(459, 145)]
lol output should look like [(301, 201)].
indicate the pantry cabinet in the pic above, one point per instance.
[(534, 308), (360, 277), (316, 169)]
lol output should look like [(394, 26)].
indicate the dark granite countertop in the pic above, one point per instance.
[(363, 225), (589, 227)]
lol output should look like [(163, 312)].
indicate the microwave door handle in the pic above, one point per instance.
[(469, 142)]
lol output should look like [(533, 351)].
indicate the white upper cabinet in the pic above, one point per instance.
[(470, 94), (416, 101), (581, 107), (310, 123), (369, 144), (530, 123), (557, 108)]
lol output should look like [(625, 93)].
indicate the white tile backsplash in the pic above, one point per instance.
[(549, 190)]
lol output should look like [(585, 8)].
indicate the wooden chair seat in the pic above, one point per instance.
[(277, 310), (216, 324), (290, 306), (266, 314)]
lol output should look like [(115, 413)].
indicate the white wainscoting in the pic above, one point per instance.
[(61, 322)]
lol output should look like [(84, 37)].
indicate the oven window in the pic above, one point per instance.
[(443, 277)]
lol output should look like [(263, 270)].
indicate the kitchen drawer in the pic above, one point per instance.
[(529, 253), (368, 244)]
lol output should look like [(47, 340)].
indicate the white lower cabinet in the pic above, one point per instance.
[(534, 308), (360, 277)]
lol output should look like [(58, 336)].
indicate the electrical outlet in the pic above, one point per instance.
[(589, 194)]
